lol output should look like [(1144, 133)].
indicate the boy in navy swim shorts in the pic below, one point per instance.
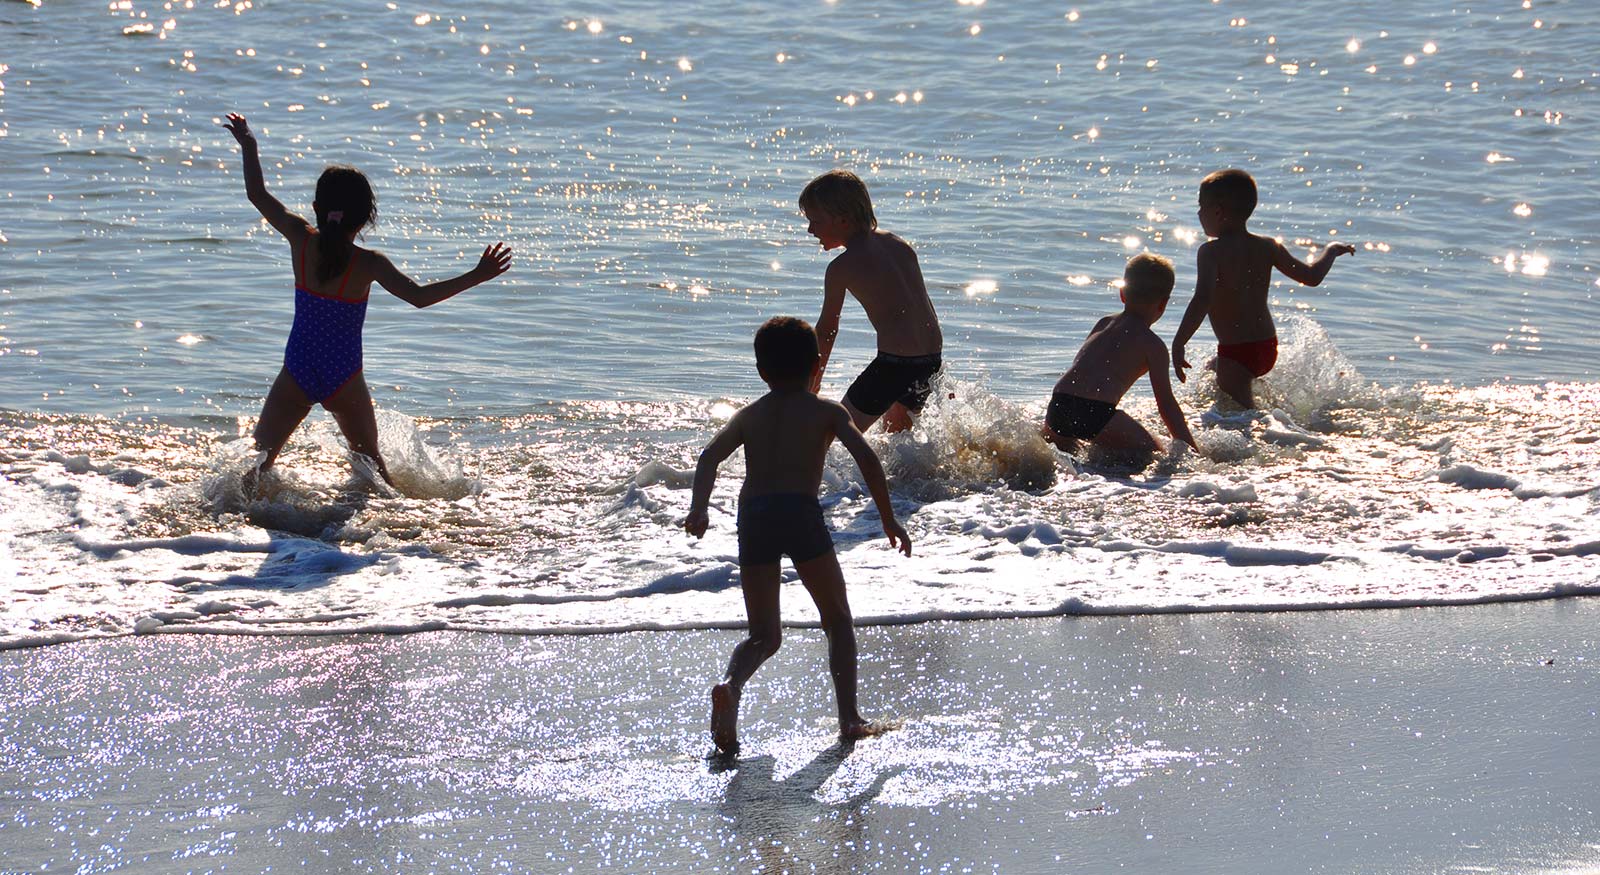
[(881, 271), (785, 434), (1119, 351)]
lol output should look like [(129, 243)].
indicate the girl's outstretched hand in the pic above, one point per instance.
[(495, 260), (240, 129)]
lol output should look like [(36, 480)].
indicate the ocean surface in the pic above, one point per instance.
[(1432, 431)]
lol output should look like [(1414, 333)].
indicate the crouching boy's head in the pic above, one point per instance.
[(837, 207), (1147, 284), (786, 352)]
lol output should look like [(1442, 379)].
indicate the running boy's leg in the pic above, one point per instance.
[(1235, 381), (863, 421), (825, 581), (765, 633), (283, 411), (351, 407), (896, 418)]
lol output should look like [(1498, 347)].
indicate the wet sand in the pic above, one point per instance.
[(1404, 741)]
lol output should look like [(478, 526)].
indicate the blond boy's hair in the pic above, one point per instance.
[(840, 193), (1148, 279)]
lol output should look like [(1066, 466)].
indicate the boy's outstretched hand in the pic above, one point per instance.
[(240, 129), (1180, 363), (695, 523), (1336, 249), (898, 538), (494, 261)]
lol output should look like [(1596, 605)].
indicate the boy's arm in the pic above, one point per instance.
[(255, 185), (833, 290), (495, 260), (705, 473), (872, 471), (1205, 264), (1308, 274), (1166, 402)]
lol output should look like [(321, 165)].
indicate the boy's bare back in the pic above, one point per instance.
[(1239, 268), (786, 434), (1120, 349), (882, 272)]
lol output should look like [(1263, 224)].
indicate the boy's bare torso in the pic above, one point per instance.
[(1114, 357), (881, 270), (1243, 265), (786, 437)]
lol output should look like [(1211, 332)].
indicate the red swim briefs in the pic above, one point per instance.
[(1258, 356)]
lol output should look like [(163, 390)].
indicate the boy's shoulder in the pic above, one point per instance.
[(806, 401), (1130, 331)]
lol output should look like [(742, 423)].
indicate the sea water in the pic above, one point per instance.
[(1428, 437)]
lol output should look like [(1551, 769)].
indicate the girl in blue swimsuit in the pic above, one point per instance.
[(333, 276)]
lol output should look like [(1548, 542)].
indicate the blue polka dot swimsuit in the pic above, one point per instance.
[(324, 349)]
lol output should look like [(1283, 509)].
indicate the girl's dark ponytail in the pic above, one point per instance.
[(344, 201)]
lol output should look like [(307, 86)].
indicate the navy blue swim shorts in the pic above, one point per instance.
[(894, 378), (778, 524)]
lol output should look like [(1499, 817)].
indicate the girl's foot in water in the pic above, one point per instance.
[(725, 717)]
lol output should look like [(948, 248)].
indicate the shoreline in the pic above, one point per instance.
[(797, 594)]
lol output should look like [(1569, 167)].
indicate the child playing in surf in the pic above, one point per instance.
[(881, 271), (322, 360), (1233, 272), (1120, 350), (785, 434)]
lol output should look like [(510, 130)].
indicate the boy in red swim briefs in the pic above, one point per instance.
[(1233, 272)]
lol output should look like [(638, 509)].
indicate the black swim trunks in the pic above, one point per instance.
[(894, 378), (780, 523), (1082, 418)]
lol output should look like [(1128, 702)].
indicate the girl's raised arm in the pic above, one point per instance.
[(276, 214)]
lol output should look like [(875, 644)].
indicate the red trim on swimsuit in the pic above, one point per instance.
[(336, 296), (1258, 356)]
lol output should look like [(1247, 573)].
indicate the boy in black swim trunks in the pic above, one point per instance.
[(881, 271), (1119, 351), (785, 434)]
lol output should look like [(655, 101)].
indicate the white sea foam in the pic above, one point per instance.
[(1350, 502)]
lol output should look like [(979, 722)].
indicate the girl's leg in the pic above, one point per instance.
[(351, 407), (283, 411), (823, 578), (760, 586)]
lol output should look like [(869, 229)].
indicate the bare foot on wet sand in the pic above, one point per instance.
[(863, 728), (725, 718)]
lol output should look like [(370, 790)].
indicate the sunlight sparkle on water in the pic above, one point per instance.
[(1130, 242), (1523, 210), (1353, 46), (982, 287)]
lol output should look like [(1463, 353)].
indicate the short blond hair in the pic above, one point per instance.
[(1148, 279), (840, 193)]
